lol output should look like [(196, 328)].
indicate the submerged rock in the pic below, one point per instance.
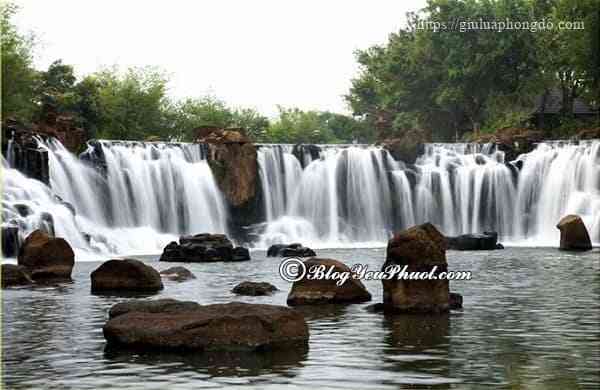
[(14, 275), (455, 301), (204, 247), (420, 248), (46, 258), (178, 274), (174, 325), (290, 250), (125, 275), (321, 291), (474, 242), (573, 234), (254, 288)]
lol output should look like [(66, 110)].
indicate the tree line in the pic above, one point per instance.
[(437, 75), (133, 104), (444, 82)]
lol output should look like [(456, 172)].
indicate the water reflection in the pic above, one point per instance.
[(216, 363)]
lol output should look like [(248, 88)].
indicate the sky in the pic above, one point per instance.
[(258, 54)]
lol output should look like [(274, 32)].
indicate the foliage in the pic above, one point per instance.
[(19, 79), (451, 81)]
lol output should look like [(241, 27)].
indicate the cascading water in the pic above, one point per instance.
[(359, 194), (341, 198), (148, 194), (132, 197)]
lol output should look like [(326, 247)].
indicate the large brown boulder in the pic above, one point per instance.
[(129, 275), (187, 326), (315, 291), (573, 234), (14, 275), (420, 248), (46, 258)]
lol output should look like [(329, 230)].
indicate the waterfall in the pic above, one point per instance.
[(357, 195), (148, 195), (122, 197), (342, 197)]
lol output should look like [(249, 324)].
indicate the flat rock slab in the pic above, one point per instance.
[(307, 291), (175, 325)]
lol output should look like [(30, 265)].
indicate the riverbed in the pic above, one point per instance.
[(531, 319)]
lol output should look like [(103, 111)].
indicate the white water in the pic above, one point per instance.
[(151, 193), (359, 195), (350, 196)]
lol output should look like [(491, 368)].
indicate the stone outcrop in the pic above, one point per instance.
[(174, 325), (573, 234), (290, 250), (14, 275), (307, 291), (202, 248), (233, 161), (10, 241), (475, 242), (305, 153), (126, 275), (254, 289), (420, 248), (512, 141), (46, 258), (408, 146), (177, 274)]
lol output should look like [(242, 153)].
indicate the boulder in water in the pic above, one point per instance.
[(125, 275), (420, 248), (10, 241), (474, 242), (573, 234), (174, 325), (254, 289), (291, 250), (456, 301), (204, 247), (14, 275), (46, 258), (178, 274), (316, 291)]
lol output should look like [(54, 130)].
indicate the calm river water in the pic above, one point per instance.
[(531, 320)]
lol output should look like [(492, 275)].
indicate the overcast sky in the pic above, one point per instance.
[(250, 53)]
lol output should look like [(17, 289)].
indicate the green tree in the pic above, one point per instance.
[(19, 78), (131, 104)]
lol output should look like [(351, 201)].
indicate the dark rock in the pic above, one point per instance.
[(474, 242), (254, 288), (204, 247), (312, 291), (14, 275), (231, 326), (407, 147), (240, 254), (305, 153), (178, 274), (23, 209), (125, 275), (420, 248), (167, 305), (46, 258), (573, 234), (291, 250), (10, 241), (456, 301)]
